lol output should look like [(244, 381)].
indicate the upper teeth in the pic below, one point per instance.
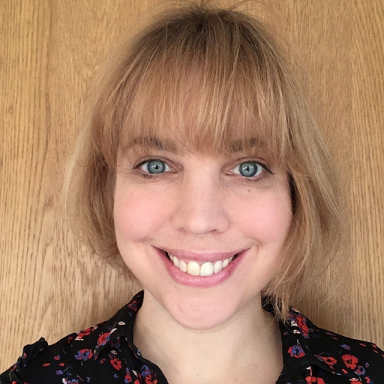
[(195, 269)]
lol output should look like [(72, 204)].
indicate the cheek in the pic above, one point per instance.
[(137, 215), (268, 220)]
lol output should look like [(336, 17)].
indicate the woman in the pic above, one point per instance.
[(202, 169)]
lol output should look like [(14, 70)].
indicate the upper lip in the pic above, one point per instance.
[(200, 255)]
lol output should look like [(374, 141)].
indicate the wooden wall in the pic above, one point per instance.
[(50, 50)]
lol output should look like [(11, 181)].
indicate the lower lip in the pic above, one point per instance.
[(184, 278)]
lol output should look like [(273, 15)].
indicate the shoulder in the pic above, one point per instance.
[(93, 355), (332, 354), (64, 360)]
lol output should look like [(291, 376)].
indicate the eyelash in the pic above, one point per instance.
[(244, 178), (148, 175), (254, 179)]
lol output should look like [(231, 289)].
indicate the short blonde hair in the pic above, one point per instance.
[(209, 76)]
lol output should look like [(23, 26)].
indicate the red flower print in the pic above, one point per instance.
[(128, 377), (302, 324), (103, 338), (329, 360), (116, 363), (350, 361), (86, 332), (314, 380)]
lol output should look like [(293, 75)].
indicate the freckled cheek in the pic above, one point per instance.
[(137, 216)]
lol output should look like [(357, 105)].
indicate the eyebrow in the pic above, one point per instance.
[(171, 146)]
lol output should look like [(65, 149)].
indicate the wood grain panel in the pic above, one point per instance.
[(368, 167), (50, 51)]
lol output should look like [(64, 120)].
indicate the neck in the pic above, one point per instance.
[(248, 342)]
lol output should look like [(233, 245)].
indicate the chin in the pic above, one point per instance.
[(202, 312)]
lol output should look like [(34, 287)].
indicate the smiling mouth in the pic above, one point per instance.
[(204, 269)]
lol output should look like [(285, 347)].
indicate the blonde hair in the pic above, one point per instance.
[(208, 76)]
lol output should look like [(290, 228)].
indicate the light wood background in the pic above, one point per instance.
[(49, 52)]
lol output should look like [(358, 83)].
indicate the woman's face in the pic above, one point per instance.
[(204, 235)]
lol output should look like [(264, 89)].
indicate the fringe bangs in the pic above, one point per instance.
[(204, 85)]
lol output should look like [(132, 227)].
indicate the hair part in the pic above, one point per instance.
[(209, 78)]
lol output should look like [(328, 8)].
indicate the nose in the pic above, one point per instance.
[(200, 207)]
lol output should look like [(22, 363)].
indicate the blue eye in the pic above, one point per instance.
[(155, 167), (249, 169)]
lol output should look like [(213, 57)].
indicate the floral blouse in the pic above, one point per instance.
[(105, 353)]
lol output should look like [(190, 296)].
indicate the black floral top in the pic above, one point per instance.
[(105, 353)]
